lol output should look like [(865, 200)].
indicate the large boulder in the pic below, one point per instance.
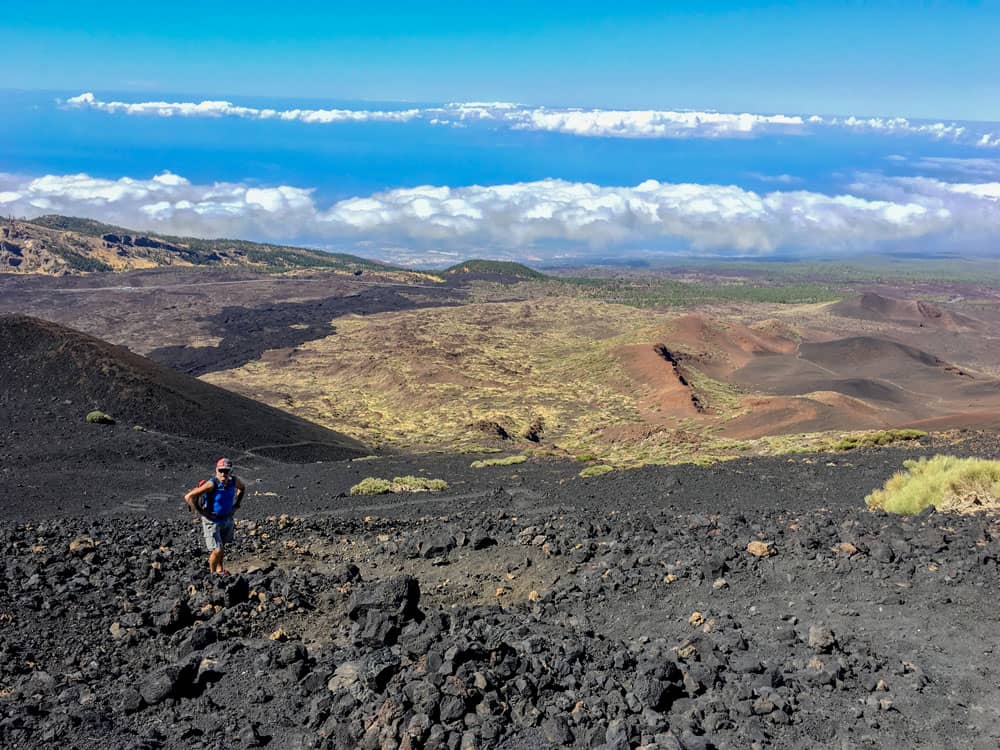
[(397, 596)]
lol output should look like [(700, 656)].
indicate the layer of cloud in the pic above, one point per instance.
[(213, 108), (647, 123), (965, 168), (700, 217), (904, 126), (540, 219)]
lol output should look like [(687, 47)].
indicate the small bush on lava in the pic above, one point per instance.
[(372, 486), (946, 482), (873, 439), (508, 461), (376, 486), (418, 484)]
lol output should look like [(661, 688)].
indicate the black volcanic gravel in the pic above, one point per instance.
[(404, 621)]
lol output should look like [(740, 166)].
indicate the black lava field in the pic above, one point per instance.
[(753, 604)]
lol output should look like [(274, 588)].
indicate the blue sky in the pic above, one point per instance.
[(536, 131), (915, 59)]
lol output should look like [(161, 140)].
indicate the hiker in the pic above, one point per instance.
[(216, 500)]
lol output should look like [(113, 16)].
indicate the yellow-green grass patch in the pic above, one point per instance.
[(377, 486), (507, 461), (874, 439), (948, 483)]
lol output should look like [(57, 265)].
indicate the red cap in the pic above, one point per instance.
[(223, 463)]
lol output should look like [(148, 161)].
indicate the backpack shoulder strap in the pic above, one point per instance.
[(207, 500)]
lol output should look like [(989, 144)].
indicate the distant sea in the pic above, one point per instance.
[(343, 160), (39, 136)]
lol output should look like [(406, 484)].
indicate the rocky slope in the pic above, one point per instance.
[(505, 624), (54, 376), (61, 245)]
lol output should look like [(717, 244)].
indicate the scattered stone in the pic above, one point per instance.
[(761, 549), (821, 639), (557, 731), (844, 548), (82, 545)]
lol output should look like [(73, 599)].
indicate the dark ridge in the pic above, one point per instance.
[(674, 362), (56, 375)]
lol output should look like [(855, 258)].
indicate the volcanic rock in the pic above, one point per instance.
[(821, 639), (761, 549)]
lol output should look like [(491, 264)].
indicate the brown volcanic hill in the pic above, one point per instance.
[(53, 376), (903, 385), (876, 307), (718, 347)]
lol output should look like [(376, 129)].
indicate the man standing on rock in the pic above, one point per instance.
[(216, 500)]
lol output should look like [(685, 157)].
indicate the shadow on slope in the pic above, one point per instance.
[(247, 332), (54, 375)]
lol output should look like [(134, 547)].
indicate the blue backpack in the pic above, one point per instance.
[(222, 498)]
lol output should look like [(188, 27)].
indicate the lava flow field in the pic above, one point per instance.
[(755, 603)]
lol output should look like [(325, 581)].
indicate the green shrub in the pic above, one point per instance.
[(596, 471), (418, 484), (376, 486), (508, 461), (372, 486), (946, 482), (99, 417), (872, 439), (586, 457)]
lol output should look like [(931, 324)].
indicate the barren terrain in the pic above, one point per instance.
[(416, 363), (676, 600)]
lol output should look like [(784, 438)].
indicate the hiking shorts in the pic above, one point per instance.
[(217, 534)]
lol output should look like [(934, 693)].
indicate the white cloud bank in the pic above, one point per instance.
[(212, 108), (606, 123), (541, 219)]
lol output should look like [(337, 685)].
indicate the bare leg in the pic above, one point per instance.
[(215, 561)]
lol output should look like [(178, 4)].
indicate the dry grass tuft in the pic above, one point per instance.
[(950, 484), (508, 461), (873, 439), (376, 486)]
